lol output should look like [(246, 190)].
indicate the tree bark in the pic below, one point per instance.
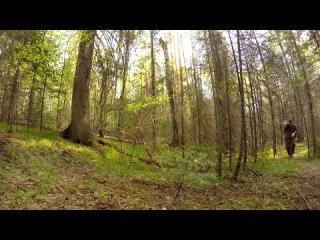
[(58, 117), (174, 123), (254, 124), (242, 150), (14, 90), (216, 49), (104, 91), (79, 129), (315, 146), (124, 77), (183, 137), (229, 118), (197, 89), (4, 104), (31, 99), (153, 89), (42, 101)]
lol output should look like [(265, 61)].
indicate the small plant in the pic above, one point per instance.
[(102, 196)]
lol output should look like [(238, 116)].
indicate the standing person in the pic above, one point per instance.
[(290, 134)]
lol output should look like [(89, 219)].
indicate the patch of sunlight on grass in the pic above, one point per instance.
[(282, 163), (38, 150), (135, 169), (137, 149), (302, 155), (37, 158), (275, 167)]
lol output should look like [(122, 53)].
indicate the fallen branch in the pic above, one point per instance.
[(117, 139), (305, 200), (256, 173), (148, 161)]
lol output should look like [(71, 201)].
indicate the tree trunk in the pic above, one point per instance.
[(79, 130), (249, 104), (153, 90), (315, 37), (104, 90), (124, 78), (229, 130), (58, 117), (174, 123), (316, 152), (14, 90), (198, 99), (254, 124), (243, 144), (31, 98), (183, 137), (208, 46), (260, 117), (5, 97), (216, 48), (42, 101)]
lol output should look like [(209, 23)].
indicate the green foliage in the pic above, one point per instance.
[(148, 102)]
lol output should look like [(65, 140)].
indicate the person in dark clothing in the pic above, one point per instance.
[(290, 134)]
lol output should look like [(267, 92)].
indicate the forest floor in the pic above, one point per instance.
[(43, 171)]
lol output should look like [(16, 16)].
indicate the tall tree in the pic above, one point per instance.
[(79, 129), (267, 84), (254, 124), (215, 42), (243, 141), (168, 79), (13, 95), (153, 87), (128, 38), (42, 100), (197, 88), (316, 151), (183, 136)]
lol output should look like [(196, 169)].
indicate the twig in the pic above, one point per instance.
[(305, 200), (118, 139), (256, 173), (180, 183), (60, 189), (133, 147)]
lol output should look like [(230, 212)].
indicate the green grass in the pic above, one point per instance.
[(275, 167), (282, 163), (21, 197), (47, 163), (43, 159), (3, 173), (37, 151)]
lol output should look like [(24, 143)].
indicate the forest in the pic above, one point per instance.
[(159, 119)]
